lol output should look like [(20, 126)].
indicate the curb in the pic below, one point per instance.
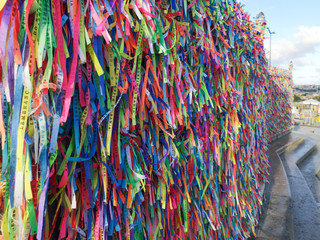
[(306, 223), (277, 222), (290, 145), (305, 156)]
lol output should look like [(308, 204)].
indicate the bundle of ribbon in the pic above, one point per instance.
[(131, 119), (278, 102)]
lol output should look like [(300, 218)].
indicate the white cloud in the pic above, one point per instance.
[(304, 50), (309, 36)]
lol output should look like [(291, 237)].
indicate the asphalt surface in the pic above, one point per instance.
[(303, 206), (309, 169), (291, 201), (313, 132), (276, 219)]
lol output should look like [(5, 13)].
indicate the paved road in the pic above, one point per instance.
[(305, 186), (312, 132), (276, 221), (303, 206), (299, 218)]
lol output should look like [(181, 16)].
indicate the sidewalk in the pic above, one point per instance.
[(276, 219), (290, 207)]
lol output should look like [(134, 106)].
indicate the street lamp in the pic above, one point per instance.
[(270, 45)]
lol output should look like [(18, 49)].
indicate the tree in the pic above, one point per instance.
[(296, 98), (316, 98)]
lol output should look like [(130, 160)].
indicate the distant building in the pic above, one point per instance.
[(307, 112)]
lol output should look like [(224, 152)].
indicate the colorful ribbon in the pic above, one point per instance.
[(135, 119), (278, 102)]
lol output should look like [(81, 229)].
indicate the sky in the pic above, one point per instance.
[(296, 24)]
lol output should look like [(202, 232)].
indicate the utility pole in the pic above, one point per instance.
[(270, 45)]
